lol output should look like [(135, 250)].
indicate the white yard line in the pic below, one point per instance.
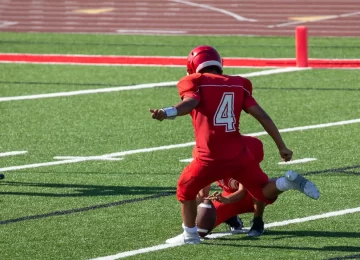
[(304, 160), (168, 147), (92, 158), (297, 220), (209, 7), (134, 87), (88, 91), (12, 153), (315, 20), (186, 160), (37, 165), (217, 235), (314, 217)]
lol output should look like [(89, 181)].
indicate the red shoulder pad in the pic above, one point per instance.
[(248, 86), (188, 86), (249, 101)]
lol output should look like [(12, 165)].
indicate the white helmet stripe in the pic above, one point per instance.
[(207, 64)]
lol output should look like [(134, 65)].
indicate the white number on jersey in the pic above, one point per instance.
[(224, 115)]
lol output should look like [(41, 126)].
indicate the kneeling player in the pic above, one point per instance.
[(235, 200)]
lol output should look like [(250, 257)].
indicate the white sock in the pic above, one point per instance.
[(189, 230), (283, 184)]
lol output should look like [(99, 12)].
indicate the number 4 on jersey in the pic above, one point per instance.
[(224, 115)]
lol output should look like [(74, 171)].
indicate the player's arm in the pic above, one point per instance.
[(189, 94), (233, 197), (265, 120), (180, 109)]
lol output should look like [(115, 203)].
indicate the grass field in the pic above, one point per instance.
[(92, 208)]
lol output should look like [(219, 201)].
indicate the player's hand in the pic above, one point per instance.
[(158, 114), (218, 197), (286, 154), (213, 196)]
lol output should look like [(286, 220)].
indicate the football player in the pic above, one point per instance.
[(215, 101)]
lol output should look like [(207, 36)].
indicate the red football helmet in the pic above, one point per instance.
[(201, 57)]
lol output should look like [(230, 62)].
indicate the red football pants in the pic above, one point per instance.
[(244, 169)]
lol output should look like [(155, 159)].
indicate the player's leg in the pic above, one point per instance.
[(194, 177), (228, 212), (188, 207), (257, 183), (255, 146), (248, 204), (291, 181), (235, 223), (257, 223), (250, 175)]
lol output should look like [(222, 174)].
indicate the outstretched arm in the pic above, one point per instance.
[(180, 109), (264, 119)]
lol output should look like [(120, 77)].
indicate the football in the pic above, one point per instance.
[(206, 217)]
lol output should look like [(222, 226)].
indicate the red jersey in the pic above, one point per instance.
[(216, 118)]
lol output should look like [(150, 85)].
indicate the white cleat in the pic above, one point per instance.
[(303, 185), (184, 238)]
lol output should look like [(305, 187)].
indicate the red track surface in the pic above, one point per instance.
[(206, 17), (168, 61), (273, 17)]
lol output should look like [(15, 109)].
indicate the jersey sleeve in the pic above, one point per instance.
[(249, 100), (188, 87)]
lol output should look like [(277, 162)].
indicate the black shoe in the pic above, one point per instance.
[(234, 223), (257, 228)]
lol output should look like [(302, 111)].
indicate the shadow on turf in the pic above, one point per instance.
[(292, 233), (93, 207), (300, 248), (286, 234), (81, 190), (357, 256)]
